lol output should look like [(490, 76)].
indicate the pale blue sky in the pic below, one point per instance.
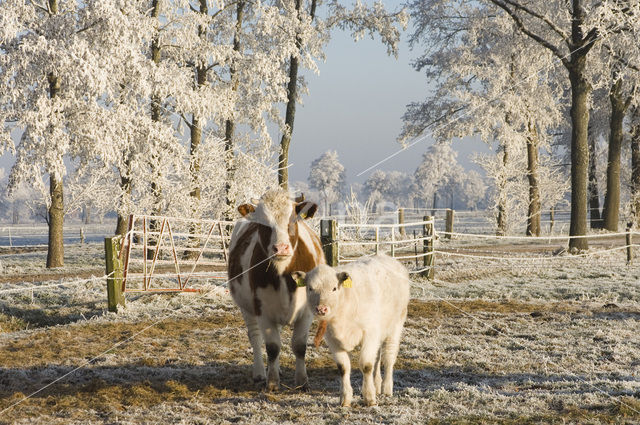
[(355, 106)]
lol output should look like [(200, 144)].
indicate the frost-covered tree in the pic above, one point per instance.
[(565, 31), (327, 176), (52, 64), (439, 165), (391, 186)]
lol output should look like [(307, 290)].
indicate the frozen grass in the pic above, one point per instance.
[(489, 343)]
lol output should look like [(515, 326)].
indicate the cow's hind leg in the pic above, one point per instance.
[(299, 348), (255, 338), (271, 334)]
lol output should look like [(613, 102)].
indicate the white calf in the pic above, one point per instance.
[(364, 302)]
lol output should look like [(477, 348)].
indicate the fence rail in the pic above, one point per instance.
[(166, 254)]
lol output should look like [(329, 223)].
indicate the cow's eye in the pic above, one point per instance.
[(335, 289)]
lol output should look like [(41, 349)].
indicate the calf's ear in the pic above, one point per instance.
[(306, 209), (299, 278), (245, 209), (344, 279)]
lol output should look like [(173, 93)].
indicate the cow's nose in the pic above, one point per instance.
[(322, 310), (282, 249)]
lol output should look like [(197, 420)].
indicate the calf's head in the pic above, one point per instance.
[(277, 217), (324, 286)]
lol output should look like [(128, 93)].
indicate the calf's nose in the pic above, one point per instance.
[(322, 310)]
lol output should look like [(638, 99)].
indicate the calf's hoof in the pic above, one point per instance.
[(370, 402), (345, 403)]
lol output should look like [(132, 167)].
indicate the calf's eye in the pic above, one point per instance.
[(335, 289)]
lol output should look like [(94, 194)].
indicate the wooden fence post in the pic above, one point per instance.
[(329, 240), (393, 242), (401, 221), (377, 240), (114, 269), (629, 247), (552, 215), (428, 260), (449, 223)]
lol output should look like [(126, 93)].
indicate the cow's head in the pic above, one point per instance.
[(278, 216), (324, 285)]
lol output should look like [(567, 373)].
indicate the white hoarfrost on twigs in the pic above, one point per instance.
[(159, 106), (481, 344)]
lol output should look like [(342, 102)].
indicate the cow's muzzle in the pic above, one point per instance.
[(282, 250)]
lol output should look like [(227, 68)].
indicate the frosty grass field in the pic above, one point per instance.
[(487, 344)]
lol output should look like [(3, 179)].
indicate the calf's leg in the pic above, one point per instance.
[(271, 334), (344, 368), (368, 353), (255, 338), (377, 376), (389, 355), (299, 348)]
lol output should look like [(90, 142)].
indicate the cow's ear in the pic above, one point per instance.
[(299, 278), (245, 209), (306, 209), (344, 279)]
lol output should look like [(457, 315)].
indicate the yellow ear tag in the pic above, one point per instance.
[(303, 214), (300, 283), (347, 283)]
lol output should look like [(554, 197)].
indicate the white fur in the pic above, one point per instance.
[(371, 313)]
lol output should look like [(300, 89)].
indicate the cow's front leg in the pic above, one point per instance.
[(368, 354), (271, 334), (255, 338), (344, 368), (299, 347)]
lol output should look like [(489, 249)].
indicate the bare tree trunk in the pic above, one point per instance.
[(580, 90), (611, 211), (122, 223), (635, 166), (502, 197), (533, 217), (594, 197), (55, 248), (55, 251), (156, 115), (292, 96), (230, 125)]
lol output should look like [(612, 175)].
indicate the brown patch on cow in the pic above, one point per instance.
[(322, 329), (245, 209), (235, 255), (303, 260), (308, 209)]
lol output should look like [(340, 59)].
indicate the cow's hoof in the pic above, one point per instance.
[(304, 387), (259, 380), (273, 386)]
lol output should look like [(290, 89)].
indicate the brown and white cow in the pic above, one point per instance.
[(267, 244)]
